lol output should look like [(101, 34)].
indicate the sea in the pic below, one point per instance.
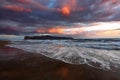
[(103, 53)]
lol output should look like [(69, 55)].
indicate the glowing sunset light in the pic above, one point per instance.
[(51, 30), (98, 26), (65, 11)]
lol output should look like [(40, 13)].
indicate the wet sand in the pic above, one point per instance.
[(16, 64)]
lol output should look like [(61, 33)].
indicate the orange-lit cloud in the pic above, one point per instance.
[(98, 29), (60, 30), (17, 8), (65, 11), (51, 30), (67, 7)]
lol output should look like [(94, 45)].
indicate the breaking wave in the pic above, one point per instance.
[(101, 55)]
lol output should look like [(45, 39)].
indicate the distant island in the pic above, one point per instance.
[(47, 37), (52, 37)]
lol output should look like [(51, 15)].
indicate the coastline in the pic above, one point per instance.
[(21, 65)]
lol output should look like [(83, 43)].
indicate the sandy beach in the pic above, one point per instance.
[(16, 64)]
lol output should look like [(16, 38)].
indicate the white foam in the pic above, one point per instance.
[(105, 59)]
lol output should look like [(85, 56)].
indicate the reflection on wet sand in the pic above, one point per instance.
[(16, 64)]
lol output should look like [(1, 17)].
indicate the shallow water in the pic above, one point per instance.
[(104, 54)]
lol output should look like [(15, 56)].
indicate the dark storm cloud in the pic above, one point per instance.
[(29, 16), (80, 10), (14, 27)]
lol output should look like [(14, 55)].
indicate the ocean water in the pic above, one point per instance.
[(98, 53)]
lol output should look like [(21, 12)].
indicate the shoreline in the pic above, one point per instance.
[(29, 66)]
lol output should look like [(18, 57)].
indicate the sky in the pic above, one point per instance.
[(81, 18)]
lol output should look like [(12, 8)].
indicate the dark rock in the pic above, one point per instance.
[(47, 37)]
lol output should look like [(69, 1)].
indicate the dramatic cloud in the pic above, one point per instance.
[(85, 18), (17, 8), (97, 29), (92, 10)]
